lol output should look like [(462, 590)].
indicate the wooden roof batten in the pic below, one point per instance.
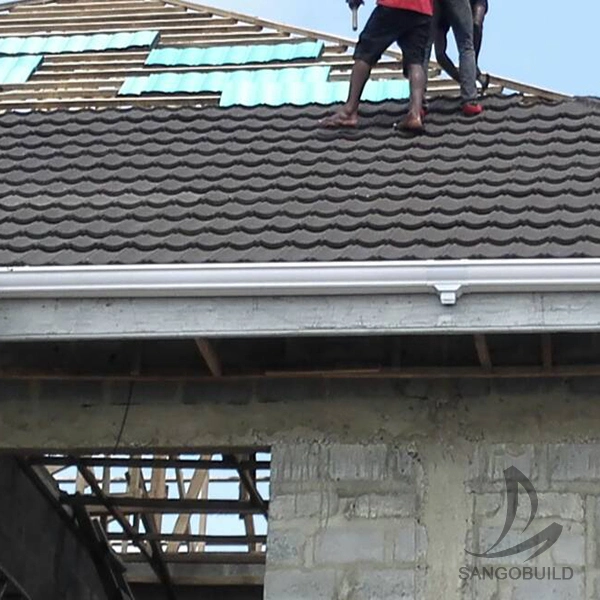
[(93, 79)]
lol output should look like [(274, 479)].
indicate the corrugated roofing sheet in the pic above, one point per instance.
[(57, 44), (250, 93), (17, 69), (234, 55), (220, 80)]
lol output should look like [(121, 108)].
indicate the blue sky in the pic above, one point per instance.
[(539, 42)]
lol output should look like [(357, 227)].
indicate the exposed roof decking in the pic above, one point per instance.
[(92, 80)]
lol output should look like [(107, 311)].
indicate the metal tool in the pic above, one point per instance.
[(354, 6)]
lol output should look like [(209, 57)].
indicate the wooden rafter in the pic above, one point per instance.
[(129, 505), (483, 352), (153, 526), (93, 79), (206, 540), (107, 503), (154, 462), (156, 485), (198, 484), (210, 356), (546, 352), (417, 372), (249, 485)]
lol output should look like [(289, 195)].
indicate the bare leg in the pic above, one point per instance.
[(416, 77), (347, 116)]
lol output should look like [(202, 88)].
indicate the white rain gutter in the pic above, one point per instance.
[(448, 279)]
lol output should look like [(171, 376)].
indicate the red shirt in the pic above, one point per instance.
[(420, 6)]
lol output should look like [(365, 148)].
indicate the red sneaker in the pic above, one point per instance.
[(472, 109)]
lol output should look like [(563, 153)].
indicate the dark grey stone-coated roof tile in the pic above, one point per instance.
[(189, 185)]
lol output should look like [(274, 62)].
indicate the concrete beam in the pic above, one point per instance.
[(154, 592), (55, 415), (199, 574), (121, 318)]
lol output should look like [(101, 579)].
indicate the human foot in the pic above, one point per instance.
[(342, 118), (412, 123)]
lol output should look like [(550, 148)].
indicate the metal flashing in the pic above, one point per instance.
[(448, 279)]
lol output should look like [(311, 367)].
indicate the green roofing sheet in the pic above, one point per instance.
[(250, 93), (17, 69), (218, 81), (234, 55), (57, 44)]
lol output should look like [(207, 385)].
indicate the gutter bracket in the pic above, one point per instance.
[(449, 293)]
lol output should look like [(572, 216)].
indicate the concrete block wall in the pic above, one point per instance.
[(567, 481), (383, 522), (334, 479), (343, 523)]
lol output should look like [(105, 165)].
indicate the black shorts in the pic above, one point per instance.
[(409, 29)]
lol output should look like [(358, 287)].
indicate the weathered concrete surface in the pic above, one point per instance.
[(37, 548), (344, 523), (179, 414), (379, 522), (120, 318), (379, 487)]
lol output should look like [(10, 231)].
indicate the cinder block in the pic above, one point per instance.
[(282, 507), (499, 457), (408, 540), (378, 506), (354, 462), (575, 462), (350, 542), (340, 463), (286, 547), (546, 590), (480, 589), (202, 393), (378, 584), (490, 509), (294, 584), (561, 506), (570, 548), (297, 463), (321, 504)]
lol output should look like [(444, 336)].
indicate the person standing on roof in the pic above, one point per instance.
[(479, 9), (406, 22), (460, 19)]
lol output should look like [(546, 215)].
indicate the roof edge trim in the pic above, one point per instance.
[(448, 279)]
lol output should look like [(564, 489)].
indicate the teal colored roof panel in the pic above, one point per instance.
[(217, 81), (233, 55), (17, 69), (59, 44), (250, 93)]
